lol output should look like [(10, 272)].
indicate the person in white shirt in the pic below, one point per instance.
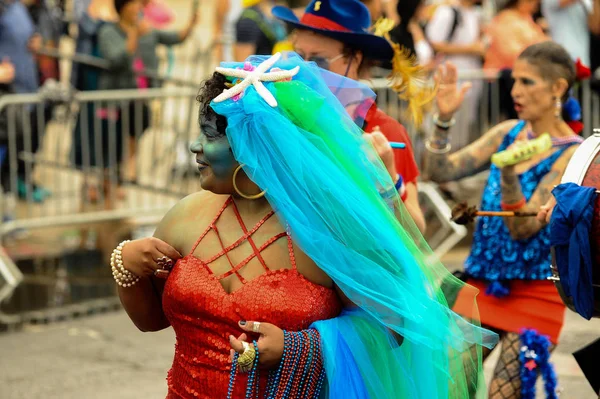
[(454, 32), (227, 14), (568, 21)]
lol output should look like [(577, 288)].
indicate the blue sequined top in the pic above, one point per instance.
[(495, 256)]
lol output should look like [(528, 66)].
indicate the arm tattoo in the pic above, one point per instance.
[(440, 134), (465, 162), (511, 187), (522, 228)]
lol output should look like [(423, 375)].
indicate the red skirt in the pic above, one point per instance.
[(531, 304)]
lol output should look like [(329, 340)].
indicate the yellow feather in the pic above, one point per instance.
[(408, 78), (410, 81), (382, 27)]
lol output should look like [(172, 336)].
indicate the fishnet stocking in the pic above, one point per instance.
[(506, 382)]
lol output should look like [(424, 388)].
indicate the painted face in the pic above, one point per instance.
[(325, 52), (533, 95), (214, 158)]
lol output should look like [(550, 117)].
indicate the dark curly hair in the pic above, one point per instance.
[(210, 89)]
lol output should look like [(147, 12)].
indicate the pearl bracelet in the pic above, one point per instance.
[(122, 276)]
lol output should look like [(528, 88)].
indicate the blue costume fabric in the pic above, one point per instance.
[(570, 227), (495, 256)]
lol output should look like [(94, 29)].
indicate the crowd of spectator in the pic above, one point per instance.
[(472, 34)]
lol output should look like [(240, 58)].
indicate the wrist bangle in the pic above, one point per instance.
[(443, 124), (122, 276), (399, 182), (439, 143), (514, 206), (439, 151), (401, 188)]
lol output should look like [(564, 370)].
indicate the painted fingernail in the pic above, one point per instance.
[(243, 323)]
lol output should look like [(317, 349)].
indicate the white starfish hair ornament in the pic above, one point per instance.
[(255, 76)]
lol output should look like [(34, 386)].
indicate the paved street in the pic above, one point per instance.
[(106, 357)]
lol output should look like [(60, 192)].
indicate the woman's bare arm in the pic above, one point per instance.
[(143, 301), (413, 207), (523, 228), (470, 160)]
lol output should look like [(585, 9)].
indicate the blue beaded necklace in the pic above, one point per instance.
[(284, 383)]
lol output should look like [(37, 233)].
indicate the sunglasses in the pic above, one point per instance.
[(323, 62)]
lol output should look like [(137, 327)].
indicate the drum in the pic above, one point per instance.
[(584, 169)]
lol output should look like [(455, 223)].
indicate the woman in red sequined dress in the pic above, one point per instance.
[(237, 263), (240, 281)]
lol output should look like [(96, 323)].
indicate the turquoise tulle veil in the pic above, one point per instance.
[(327, 184)]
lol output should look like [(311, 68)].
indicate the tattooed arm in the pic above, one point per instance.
[(470, 160), (525, 227)]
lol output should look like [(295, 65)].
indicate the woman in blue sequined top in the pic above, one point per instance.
[(510, 257)]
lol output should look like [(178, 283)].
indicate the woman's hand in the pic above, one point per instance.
[(449, 96), (145, 257), (270, 343), (7, 71), (545, 213), (514, 147), (384, 150)]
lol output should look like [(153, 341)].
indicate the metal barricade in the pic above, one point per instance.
[(102, 162), (483, 110), (81, 171)]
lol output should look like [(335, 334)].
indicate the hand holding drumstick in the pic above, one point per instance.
[(464, 214)]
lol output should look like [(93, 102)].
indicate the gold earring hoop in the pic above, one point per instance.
[(241, 194)]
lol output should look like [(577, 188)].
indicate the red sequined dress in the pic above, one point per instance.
[(203, 314)]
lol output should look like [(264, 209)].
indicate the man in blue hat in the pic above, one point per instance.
[(335, 35)]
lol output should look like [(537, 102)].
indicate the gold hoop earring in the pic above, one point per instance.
[(241, 194), (558, 108)]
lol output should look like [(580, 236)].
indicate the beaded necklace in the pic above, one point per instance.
[(299, 375), (559, 141)]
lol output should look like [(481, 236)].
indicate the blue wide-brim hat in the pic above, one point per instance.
[(347, 21)]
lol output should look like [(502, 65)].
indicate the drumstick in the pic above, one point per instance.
[(505, 213), (396, 145), (465, 214)]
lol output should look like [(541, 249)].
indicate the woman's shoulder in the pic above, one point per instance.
[(198, 204), (511, 126), (189, 214)]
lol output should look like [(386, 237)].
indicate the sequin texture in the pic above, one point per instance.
[(495, 255), (203, 315)]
